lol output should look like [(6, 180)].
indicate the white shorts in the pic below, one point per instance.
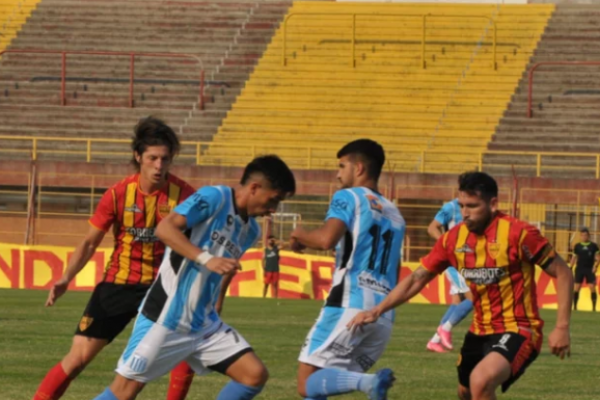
[(458, 285), (154, 350), (330, 344)]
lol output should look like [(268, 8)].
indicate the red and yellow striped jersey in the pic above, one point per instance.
[(134, 215), (499, 268)]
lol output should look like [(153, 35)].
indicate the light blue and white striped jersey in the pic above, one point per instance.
[(368, 256), (183, 296), (449, 215)]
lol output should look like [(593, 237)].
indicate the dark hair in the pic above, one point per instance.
[(584, 230), (274, 170), (370, 153), (152, 131), (270, 237), (478, 183)]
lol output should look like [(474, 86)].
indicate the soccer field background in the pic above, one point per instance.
[(34, 338)]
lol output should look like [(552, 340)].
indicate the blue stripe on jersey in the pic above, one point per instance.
[(190, 274), (140, 329), (212, 285), (328, 320)]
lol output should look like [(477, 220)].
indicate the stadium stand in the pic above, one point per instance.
[(227, 37), (13, 14), (447, 91), (565, 99)]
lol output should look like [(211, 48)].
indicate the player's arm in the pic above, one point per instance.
[(559, 338), (195, 210), (596, 262), (224, 286), (323, 238), (403, 292), (435, 229), (83, 253), (573, 259), (431, 265)]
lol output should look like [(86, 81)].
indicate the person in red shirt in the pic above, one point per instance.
[(133, 207), (496, 255)]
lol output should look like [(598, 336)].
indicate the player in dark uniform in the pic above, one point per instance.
[(271, 266), (133, 207), (587, 256)]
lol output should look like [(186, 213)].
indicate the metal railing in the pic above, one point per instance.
[(308, 157), (132, 56), (536, 66), (353, 16)]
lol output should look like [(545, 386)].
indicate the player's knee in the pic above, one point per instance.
[(302, 388), (257, 376), (464, 393), (480, 384)]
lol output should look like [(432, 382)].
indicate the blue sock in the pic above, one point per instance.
[(106, 395), (449, 312), (461, 311), (332, 381), (236, 391)]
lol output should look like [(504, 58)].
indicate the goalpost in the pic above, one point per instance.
[(281, 225)]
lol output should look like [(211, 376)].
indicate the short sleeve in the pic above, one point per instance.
[(200, 206), (444, 216), (105, 213), (596, 249), (535, 248), (342, 207), (437, 259)]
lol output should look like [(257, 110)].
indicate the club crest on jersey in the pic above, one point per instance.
[(374, 203), (85, 323), (164, 210), (493, 250)]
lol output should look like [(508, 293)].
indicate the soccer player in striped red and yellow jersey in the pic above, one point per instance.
[(133, 207), (496, 254)]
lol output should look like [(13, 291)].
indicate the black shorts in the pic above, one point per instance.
[(587, 274), (519, 350), (110, 309)]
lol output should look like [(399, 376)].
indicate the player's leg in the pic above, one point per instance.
[(101, 322), (276, 285), (435, 343), (152, 351), (458, 288), (591, 282), (248, 377), (180, 381), (342, 357), (577, 287), (508, 356), (471, 353), (267, 281)]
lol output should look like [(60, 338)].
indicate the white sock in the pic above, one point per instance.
[(435, 339), (447, 326)]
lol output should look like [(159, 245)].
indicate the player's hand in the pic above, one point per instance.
[(362, 318), (296, 246), (560, 342), (58, 289), (223, 266)]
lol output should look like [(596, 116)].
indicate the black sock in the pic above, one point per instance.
[(575, 300), (594, 299)]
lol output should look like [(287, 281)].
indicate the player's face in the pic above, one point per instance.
[(476, 212), (345, 173), (263, 199), (154, 164), (585, 237)]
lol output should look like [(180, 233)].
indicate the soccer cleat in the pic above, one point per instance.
[(384, 379), (445, 338), (436, 347)]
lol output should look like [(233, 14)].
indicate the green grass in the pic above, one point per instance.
[(34, 338)]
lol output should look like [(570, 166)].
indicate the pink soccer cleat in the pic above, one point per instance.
[(445, 337), (436, 347)]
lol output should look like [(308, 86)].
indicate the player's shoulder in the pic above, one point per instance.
[(175, 180), (122, 185)]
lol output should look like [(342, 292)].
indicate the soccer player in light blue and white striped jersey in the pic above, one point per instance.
[(206, 236), (368, 231)]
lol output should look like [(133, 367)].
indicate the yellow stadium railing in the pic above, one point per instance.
[(353, 16), (310, 157)]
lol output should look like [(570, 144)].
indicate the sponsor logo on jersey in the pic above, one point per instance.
[(374, 203), (145, 235), (483, 276), (366, 281), (164, 210), (464, 249), (134, 209), (85, 322), (222, 240)]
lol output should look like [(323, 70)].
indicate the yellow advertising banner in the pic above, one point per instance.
[(301, 276)]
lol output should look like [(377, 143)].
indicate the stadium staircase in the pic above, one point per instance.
[(228, 36), (324, 96), (566, 98)]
